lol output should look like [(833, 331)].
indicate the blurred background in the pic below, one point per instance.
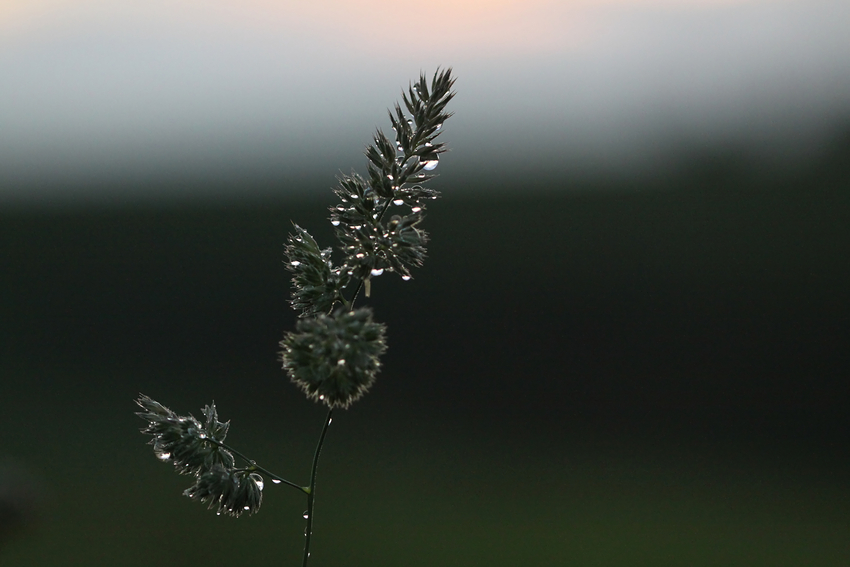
[(629, 345)]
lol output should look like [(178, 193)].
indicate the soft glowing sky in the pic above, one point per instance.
[(96, 92)]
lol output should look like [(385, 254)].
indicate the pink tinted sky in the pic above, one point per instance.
[(110, 89), (478, 27)]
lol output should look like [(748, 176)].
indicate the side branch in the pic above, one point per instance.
[(253, 466)]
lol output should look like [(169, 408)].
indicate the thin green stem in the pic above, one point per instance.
[(255, 467), (311, 490), (354, 297)]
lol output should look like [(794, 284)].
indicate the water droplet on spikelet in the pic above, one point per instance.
[(377, 271)]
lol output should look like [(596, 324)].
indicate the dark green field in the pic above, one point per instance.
[(647, 374)]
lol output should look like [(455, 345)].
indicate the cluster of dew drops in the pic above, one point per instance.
[(427, 165)]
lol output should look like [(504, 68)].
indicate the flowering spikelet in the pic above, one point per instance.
[(317, 284), (334, 358), (195, 449), (233, 492), (377, 220)]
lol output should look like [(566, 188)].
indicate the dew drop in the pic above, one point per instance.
[(218, 513), (377, 271), (390, 177), (340, 362), (322, 397), (430, 165), (405, 278), (360, 255), (440, 125), (416, 209), (305, 514), (398, 202), (247, 508), (335, 222), (163, 456), (295, 263), (259, 482), (276, 481)]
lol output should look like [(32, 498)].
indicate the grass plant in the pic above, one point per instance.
[(333, 355)]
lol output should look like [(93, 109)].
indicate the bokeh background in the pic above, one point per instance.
[(629, 346)]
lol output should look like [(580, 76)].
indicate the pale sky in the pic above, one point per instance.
[(94, 93)]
